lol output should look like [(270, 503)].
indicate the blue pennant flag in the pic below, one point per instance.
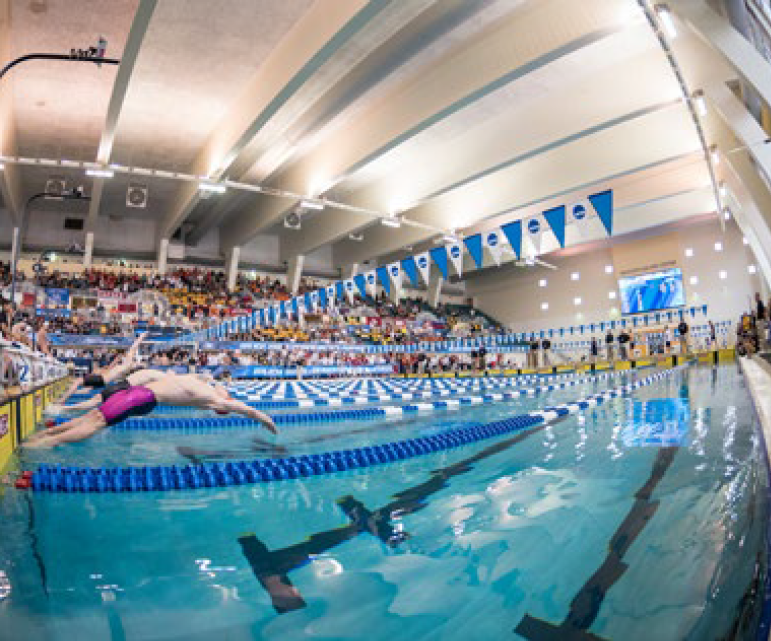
[(556, 219), (282, 309), (409, 267), (704, 309), (272, 315), (295, 308), (340, 290), (513, 231), (439, 254), (323, 298), (308, 302), (361, 283), (262, 318), (603, 204), (382, 275), (474, 246)]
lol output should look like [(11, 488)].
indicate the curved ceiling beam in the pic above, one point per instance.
[(136, 35), (511, 48)]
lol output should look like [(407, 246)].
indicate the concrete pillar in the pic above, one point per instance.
[(231, 267), (350, 271), (163, 256), (435, 282), (15, 246), (89, 251), (294, 273)]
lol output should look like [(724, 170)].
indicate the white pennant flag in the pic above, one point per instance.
[(533, 230), (315, 300), (455, 252), (371, 283), (349, 286), (493, 240), (331, 296), (423, 261), (395, 274)]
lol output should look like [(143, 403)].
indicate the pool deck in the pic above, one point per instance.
[(757, 372)]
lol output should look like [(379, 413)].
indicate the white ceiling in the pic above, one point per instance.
[(422, 105)]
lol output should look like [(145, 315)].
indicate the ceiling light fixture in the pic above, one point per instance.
[(312, 204), (391, 222), (100, 173), (215, 188), (666, 19), (714, 155), (699, 102), (723, 189), (356, 237)]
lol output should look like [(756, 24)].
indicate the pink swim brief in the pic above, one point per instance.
[(134, 401)]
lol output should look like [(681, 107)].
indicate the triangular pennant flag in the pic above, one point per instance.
[(513, 231), (339, 290), (282, 309), (455, 252), (474, 246), (295, 307), (492, 240), (361, 283), (349, 289), (534, 227), (323, 298), (409, 267), (439, 254), (556, 219), (424, 266), (603, 205), (395, 272), (382, 276), (310, 302), (371, 283)]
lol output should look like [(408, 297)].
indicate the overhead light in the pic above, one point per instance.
[(449, 238), (745, 241), (216, 188), (723, 274), (357, 237), (752, 269), (542, 283), (529, 261), (100, 173), (391, 222), (699, 102), (718, 247), (576, 301), (694, 280), (544, 306), (714, 155), (727, 214), (688, 252), (666, 19), (312, 204), (575, 276), (612, 295), (723, 189), (608, 269), (2, 166)]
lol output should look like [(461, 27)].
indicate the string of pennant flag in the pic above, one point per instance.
[(523, 237)]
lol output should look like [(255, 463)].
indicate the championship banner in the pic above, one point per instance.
[(411, 269), (493, 243), (439, 255), (424, 266), (455, 252)]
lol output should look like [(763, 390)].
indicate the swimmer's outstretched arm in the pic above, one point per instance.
[(134, 349), (237, 407), (78, 429), (85, 405)]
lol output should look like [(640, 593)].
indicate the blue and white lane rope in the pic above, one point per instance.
[(204, 424), (161, 478)]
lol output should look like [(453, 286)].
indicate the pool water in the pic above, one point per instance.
[(644, 518)]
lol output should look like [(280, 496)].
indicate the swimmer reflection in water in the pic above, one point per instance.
[(186, 390)]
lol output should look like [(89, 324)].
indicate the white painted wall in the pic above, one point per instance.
[(514, 295)]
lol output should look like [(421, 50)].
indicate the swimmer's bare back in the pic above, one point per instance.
[(188, 390)]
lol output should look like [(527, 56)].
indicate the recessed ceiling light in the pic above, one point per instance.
[(688, 252), (718, 246), (575, 276), (577, 300), (542, 283), (544, 306)]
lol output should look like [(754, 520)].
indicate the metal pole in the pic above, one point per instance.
[(57, 56)]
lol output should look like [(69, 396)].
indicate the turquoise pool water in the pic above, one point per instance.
[(645, 518)]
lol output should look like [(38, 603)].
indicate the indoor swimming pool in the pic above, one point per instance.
[(645, 517)]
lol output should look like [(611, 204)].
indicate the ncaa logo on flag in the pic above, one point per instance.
[(422, 262), (533, 226), (579, 212), (492, 239), (455, 252), (371, 279), (394, 271), (349, 286)]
